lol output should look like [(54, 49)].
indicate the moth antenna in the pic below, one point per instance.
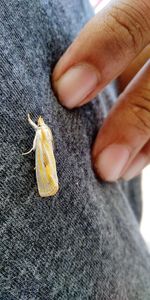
[(32, 123)]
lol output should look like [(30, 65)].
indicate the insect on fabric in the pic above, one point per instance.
[(46, 174)]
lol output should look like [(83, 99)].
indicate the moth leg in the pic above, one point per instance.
[(32, 149)]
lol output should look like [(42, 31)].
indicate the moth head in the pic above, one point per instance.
[(40, 121)]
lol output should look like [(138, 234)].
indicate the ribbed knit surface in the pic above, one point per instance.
[(84, 243)]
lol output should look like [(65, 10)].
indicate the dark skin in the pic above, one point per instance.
[(114, 44), (133, 68)]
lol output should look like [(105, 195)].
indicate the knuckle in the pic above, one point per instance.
[(140, 109), (128, 26)]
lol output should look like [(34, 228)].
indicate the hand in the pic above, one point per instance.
[(105, 47)]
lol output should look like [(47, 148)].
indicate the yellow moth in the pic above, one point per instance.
[(46, 174)]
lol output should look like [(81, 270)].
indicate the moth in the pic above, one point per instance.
[(46, 173)]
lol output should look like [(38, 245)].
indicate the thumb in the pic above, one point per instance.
[(103, 49)]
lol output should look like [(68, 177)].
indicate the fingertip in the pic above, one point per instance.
[(111, 161), (76, 84)]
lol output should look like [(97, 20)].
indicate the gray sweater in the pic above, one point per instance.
[(84, 243)]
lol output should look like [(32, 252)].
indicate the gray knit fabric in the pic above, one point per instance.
[(84, 243)]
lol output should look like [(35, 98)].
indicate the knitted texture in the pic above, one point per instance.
[(84, 243)]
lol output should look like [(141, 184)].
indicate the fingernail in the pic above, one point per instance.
[(136, 167), (111, 161), (76, 84)]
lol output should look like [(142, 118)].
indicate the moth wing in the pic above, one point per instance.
[(46, 173)]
